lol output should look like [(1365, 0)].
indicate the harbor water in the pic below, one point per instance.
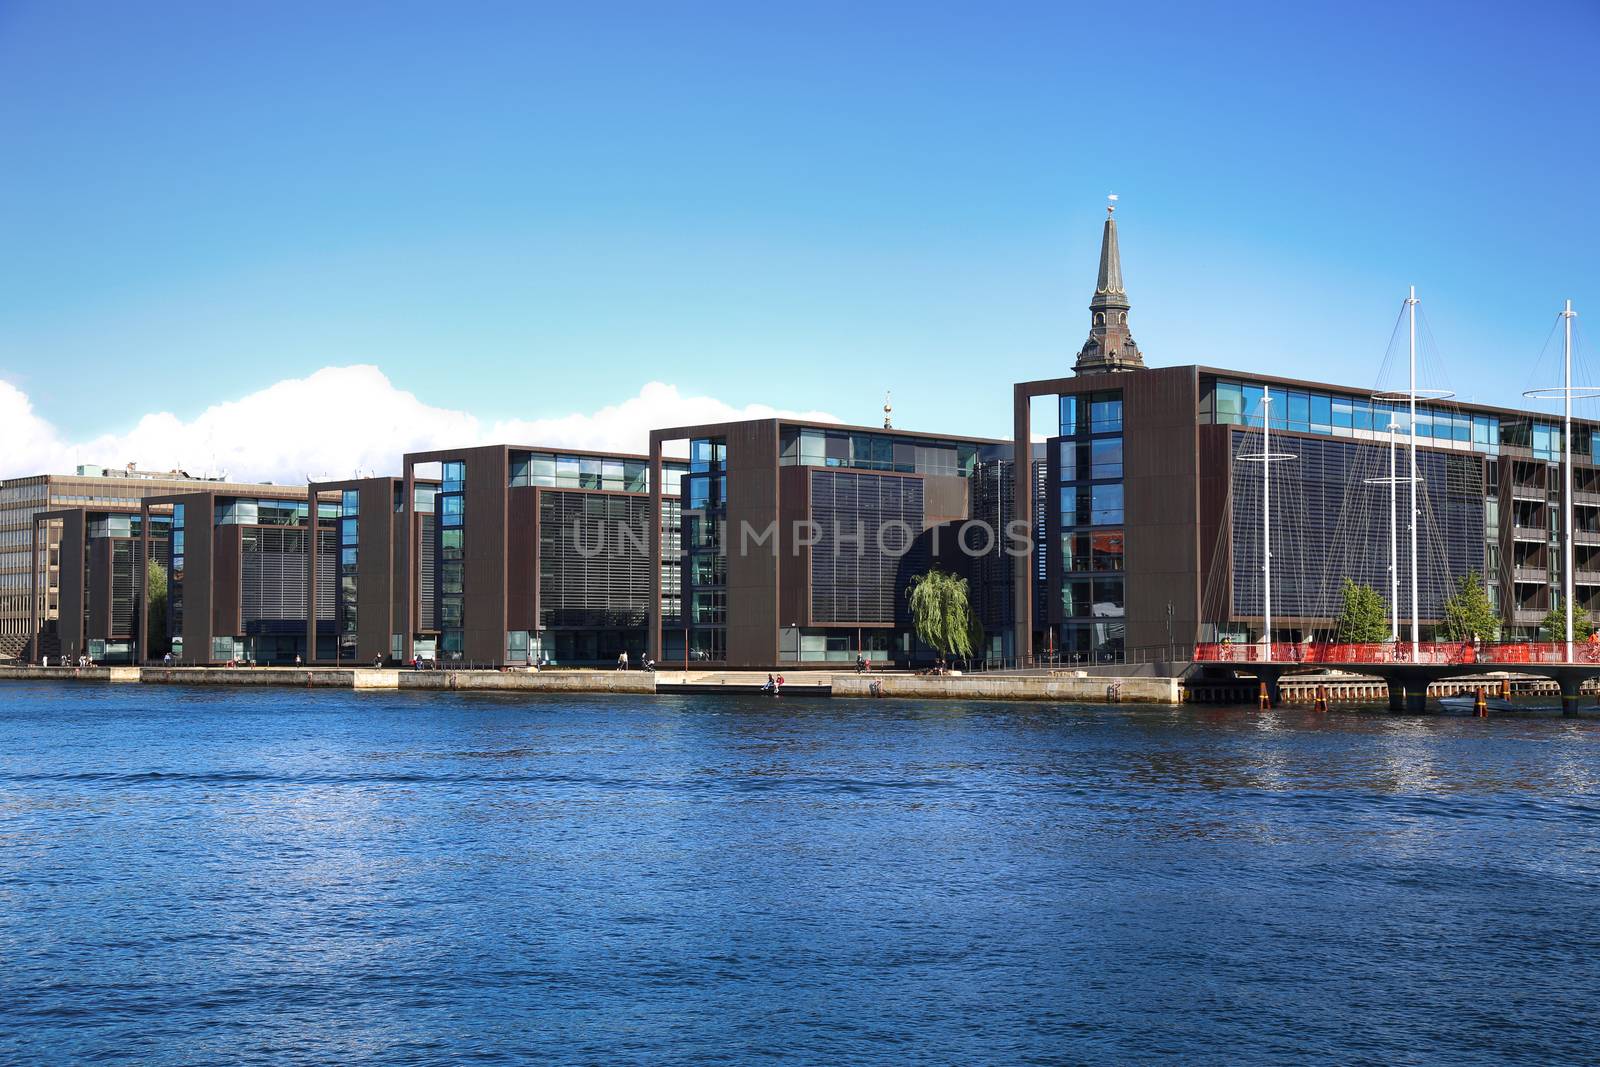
[(227, 876)]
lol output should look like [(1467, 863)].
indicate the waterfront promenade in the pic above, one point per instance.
[(1062, 687)]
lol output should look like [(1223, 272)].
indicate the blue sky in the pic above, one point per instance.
[(527, 210)]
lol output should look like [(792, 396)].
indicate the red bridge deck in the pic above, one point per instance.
[(1438, 654)]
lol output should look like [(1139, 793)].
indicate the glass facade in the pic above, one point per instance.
[(1238, 403), (579, 472), (1087, 466), (705, 570), (807, 447), (450, 503), (349, 552)]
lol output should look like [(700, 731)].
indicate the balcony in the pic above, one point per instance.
[(1539, 575), (1531, 533), (1528, 492), (1586, 537), (1528, 616), (1583, 497), (1583, 577)]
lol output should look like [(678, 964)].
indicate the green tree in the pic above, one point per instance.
[(1364, 617), (1555, 625), (1468, 615), (942, 614), (155, 594)]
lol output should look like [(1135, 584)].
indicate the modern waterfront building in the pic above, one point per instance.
[(537, 555), (239, 585), (379, 541), (30, 589), (800, 538), (101, 578), (1151, 509)]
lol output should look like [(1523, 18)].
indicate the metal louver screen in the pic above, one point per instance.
[(1042, 501), (855, 581), (273, 574), (426, 574), (612, 589), (124, 567)]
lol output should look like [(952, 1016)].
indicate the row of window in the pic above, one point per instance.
[(349, 556), (1086, 414), (1091, 505), (1083, 598), (269, 512), (127, 526), (874, 452), (1240, 404), (1094, 460), (579, 472)]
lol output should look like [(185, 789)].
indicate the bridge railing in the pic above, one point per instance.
[(1433, 653)]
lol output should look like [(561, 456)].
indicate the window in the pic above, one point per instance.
[(1229, 403), (1106, 413), (706, 453), (1077, 598), (450, 577), (451, 510), (450, 544), (1321, 414), (1106, 458), (1075, 552), (453, 476), (1107, 505), (1069, 461), (1069, 416), (1108, 598), (1075, 506), (1107, 547), (350, 501), (1299, 411)]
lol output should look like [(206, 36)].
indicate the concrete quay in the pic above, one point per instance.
[(1066, 689), (1059, 688)]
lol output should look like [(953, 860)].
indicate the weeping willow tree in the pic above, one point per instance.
[(942, 614), (155, 592)]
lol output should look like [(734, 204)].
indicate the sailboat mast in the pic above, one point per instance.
[(1394, 541), (1266, 520), (1416, 629), (1566, 477)]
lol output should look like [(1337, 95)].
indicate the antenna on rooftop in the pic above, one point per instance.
[(888, 412)]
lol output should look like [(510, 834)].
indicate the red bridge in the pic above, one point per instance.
[(1408, 671), (1434, 653)]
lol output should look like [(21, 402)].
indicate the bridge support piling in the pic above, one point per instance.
[(1269, 681), (1570, 682), (1397, 694)]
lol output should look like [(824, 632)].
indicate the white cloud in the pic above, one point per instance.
[(335, 422)]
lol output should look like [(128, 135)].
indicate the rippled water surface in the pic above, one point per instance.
[(222, 876)]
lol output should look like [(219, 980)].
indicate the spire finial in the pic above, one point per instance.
[(888, 412), (1111, 204)]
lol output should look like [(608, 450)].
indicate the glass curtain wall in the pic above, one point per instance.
[(1088, 466), (705, 570), (450, 504)]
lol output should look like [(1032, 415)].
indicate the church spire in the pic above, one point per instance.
[(1110, 346)]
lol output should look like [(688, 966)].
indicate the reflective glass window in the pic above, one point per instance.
[(1107, 505)]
